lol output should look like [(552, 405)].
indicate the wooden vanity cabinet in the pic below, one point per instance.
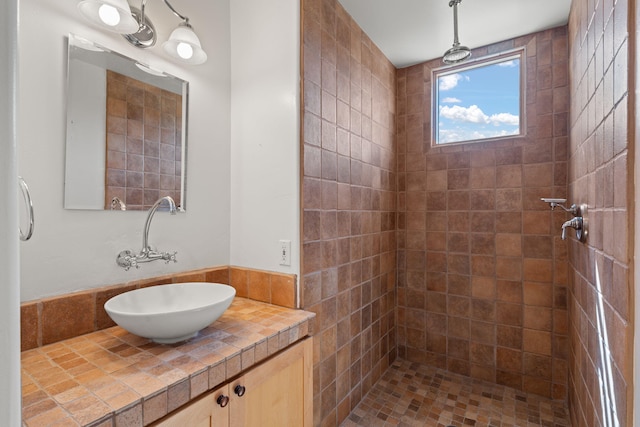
[(203, 412), (276, 393)]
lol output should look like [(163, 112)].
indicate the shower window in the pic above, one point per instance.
[(479, 101)]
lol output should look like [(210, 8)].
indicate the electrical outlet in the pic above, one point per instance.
[(285, 252)]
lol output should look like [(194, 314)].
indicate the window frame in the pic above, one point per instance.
[(519, 53)]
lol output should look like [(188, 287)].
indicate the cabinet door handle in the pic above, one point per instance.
[(239, 390), (222, 400)]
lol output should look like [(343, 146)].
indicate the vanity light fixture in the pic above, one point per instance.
[(456, 53), (117, 16)]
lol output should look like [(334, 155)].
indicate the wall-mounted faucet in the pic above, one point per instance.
[(127, 259), (575, 223), (578, 223)]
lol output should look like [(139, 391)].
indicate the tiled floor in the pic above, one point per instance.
[(410, 394)]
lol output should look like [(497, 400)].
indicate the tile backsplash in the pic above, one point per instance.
[(49, 320)]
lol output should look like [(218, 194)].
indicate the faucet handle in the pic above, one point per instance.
[(575, 223), (170, 257), (126, 259)]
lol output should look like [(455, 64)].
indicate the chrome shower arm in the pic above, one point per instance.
[(454, 4), (456, 53)]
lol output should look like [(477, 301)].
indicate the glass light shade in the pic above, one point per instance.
[(112, 15), (184, 45)]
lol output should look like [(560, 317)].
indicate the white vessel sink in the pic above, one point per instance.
[(170, 313)]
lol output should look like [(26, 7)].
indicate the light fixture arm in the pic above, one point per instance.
[(142, 6), (171, 8), (175, 12)]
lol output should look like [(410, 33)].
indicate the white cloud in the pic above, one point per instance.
[(512, 63), (457, 113), (450, 100), (449, 81), (474, 114), (505, 119)]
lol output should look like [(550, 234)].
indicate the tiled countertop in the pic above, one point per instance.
[(112, 378)]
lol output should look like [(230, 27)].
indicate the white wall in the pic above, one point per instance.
[(10, 407), (73, 250), (243, 146), (265, 111)]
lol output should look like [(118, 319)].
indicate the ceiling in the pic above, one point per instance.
[(412, 31)]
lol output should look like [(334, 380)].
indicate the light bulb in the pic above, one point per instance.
[(109, 15), (184, 50)]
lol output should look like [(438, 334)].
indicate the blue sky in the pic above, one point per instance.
[(479, 103)]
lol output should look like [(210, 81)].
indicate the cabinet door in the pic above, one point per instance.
[(277, 393), (204, 412)]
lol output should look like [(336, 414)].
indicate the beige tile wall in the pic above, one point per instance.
[(144, 143), (601, 175), (349, 204), (482, 270)]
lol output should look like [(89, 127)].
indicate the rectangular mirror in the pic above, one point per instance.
[(126, 131)]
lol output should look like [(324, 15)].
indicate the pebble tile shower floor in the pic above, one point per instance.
[(411, 394)]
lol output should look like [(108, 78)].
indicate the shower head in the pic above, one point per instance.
[(456, 53)]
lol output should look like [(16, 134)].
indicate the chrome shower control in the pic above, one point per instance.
[(578, 222)]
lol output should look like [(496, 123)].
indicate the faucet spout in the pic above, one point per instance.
[(145, 234), (127, 259)]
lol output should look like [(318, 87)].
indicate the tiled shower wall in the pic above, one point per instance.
[(349, 205), (601, 175), (144, 143), (482, 283)]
